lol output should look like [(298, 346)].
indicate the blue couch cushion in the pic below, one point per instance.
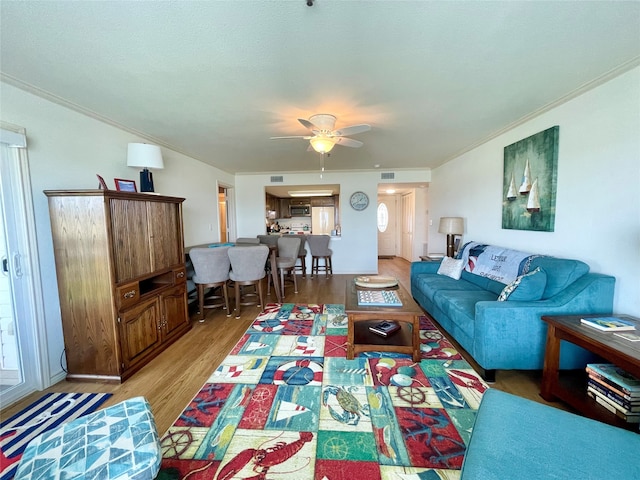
[(485, 283), (526, 288), (561, 273), (429, 284), (460, 306), (517, 438)]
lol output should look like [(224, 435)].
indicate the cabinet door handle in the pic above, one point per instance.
[(180, 274), (130, 294)]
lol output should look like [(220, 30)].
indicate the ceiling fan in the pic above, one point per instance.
[(324, 136)]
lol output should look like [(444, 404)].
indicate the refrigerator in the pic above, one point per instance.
[(322, 220)]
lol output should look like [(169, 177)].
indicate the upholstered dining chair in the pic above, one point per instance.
[(319, 246), (302, 256), (288, 248), (211, 266), (250, 240), (268, 239), (247, 269)]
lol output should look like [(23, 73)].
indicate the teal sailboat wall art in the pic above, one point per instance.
[(529, 182)]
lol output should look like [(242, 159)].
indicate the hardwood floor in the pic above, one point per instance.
[(172, 379)]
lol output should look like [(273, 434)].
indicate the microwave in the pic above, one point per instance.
[(300, 210)]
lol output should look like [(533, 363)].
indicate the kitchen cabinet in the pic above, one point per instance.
[(272, 205), (121, 279), (297, 201), (284, 208), (323, 201)]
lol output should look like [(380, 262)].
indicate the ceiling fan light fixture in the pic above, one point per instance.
[(322, 144)]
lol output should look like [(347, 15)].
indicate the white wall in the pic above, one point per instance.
[(598, 194), (66, 150), (357, 249)]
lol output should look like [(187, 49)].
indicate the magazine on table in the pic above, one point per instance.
[(609, 324), (385, 328)]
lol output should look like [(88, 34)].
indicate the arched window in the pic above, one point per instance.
[(383, 217)]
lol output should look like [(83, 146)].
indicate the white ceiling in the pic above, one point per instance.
[(214, 80)]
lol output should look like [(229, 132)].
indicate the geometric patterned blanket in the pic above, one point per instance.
[(287, 404)]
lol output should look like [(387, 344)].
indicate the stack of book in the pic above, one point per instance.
[(615, 389)]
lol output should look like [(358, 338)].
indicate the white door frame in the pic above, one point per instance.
[(17, 204)]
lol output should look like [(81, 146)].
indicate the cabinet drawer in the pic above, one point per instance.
[(179, 275), (128, 295)]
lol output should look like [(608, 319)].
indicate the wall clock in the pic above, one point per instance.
[(359, 200)]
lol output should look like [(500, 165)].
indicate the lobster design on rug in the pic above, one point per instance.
[(263, 459)]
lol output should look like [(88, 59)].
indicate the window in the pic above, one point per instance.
[(383, 217)]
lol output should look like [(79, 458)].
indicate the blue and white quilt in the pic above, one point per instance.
[(497, 263)]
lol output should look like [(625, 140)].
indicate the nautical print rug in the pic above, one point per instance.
[(45, 414), (286, 403)]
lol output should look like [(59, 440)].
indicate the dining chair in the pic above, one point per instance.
[(247, 269), (288, 248), (302, 256), (211, 266), (250, 240), (319, 246), (268, 239)]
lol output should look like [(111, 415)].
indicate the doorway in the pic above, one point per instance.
[(223, 214)]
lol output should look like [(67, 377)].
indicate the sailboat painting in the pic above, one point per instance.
[(530, 204)]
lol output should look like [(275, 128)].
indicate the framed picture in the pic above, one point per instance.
[(529, 182), (123, 185), (102, 185)]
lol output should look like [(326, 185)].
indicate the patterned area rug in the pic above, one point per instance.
[(286, 403), (46, 413)]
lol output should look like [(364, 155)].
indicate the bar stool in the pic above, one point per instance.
[(288, 248), (302, 256), (319, 246)]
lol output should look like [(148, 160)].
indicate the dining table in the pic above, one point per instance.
[(273, 253)]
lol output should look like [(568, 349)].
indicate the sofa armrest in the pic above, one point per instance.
[(517, 323), (418, 268)]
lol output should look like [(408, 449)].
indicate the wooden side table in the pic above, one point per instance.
[(571, 386)]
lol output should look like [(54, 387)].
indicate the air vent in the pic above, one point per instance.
[(387, 176), (277, 179)]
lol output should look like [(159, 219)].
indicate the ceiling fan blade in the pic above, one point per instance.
[(308, 124), (292, 136), (352, 130), (347, 142)]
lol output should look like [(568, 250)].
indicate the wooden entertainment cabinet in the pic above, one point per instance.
[(121, 279)]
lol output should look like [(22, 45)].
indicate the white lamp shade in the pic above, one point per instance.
[(144, 155), (451, 225)]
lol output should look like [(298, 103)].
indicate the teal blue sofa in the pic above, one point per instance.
[(510, 335), (516, 438)]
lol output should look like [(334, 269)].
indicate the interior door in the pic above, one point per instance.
[(387, 226), (408, 221)]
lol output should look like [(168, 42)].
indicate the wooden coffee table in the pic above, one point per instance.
[(360, 339)]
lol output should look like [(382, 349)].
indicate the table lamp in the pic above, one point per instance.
[(452, 226), (145, 156)]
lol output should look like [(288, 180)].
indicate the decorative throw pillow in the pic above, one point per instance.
[(451, 267), (526, 288)]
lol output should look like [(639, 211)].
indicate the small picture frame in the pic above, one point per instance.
[(123, 185), (102, 185)]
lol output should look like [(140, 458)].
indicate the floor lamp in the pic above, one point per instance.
[(452, 226)]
